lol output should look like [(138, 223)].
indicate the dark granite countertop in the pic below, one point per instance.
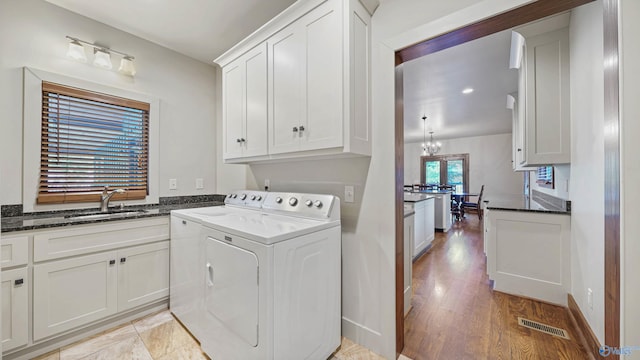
[(57, 219), (523, 203), (431, 192)]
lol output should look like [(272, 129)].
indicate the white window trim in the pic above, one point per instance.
[(32, 120)]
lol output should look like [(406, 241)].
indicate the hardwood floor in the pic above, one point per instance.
[(456, 315)]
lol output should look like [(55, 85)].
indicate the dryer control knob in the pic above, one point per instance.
[(308, 203), (243, 196), (293, 201), (279, 200), (318, 204), (234, 196), (259, 198), (253, 197)]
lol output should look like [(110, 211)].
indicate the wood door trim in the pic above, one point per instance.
[(500, 22), (611, 176)]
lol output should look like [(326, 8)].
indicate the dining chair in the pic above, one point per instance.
[(475, 206)]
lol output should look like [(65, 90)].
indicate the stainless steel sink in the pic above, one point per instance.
[(115, 213)]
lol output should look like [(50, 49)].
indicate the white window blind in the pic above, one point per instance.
[(92, 140)]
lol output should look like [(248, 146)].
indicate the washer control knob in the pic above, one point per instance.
[(258, 198), (253, 197), (233, 196), (293, 201), (308, 203), (243, 196), (317, 204), (279, 200)]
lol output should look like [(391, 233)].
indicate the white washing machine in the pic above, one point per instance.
[(269, 274)]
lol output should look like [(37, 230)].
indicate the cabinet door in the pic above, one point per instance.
[(73, 292), (324, 75), (408, 263), (255, 104), (143, 274), (232, 108), (521, 106), (15, 320), (548, 139), (287, 98), (420, 231), (429, 220)]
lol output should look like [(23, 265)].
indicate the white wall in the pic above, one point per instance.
[(587, 162), (630, 172), (32, 33), (489, 163)]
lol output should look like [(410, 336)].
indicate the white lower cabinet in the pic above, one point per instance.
[(15, 329), (408, 263), (424, 226), (72, 292), (143, 274)]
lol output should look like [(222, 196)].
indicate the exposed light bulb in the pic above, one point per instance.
[(467, 91)]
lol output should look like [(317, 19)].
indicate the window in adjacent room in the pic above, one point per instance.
[(451, 170), (91, 140), (544, 177)]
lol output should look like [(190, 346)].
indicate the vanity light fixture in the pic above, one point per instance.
[(467, 91), (102, 56)]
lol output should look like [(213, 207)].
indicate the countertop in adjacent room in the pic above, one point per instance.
[(415, 197)]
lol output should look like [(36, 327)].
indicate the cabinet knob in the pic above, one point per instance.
[(295, 129), (301, 128), (184, 222), (122, 260), (238, 141), (18, 282), (112, 262), (243, 140), (519, 149)]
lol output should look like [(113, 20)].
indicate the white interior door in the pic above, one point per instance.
[(231, 295)]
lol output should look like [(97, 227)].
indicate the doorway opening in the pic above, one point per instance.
[(519, 16)]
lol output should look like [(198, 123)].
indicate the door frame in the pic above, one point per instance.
[(519, 16)]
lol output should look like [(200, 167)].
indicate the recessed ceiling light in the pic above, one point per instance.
[(467, 91)]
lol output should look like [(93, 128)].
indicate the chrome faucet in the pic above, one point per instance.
[(106, 196)]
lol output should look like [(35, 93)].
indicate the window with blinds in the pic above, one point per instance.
[(92, 140), (544, 176)]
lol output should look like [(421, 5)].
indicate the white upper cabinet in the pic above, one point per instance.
[(245, 104), (540, 52), (316, 82)]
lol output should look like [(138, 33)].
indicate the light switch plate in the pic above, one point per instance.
[(173, 184), (349, 194), (199, 184)]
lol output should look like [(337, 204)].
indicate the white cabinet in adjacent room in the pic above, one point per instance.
[(540, 52), (408, 263), (424, 226), (245, 105)]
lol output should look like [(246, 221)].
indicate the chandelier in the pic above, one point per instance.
[(430, 147)]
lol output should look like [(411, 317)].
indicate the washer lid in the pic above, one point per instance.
[(266, 228)]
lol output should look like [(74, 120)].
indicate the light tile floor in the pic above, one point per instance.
[(161, 337)]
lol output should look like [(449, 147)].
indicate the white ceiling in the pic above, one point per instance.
[(433, 87), (202, 29)]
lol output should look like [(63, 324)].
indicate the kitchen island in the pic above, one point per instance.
[(527, 244)]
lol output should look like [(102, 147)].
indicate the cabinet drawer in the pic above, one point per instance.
[(14, 251), (93, 238)]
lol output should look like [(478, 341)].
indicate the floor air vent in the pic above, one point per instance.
[(543, 328)]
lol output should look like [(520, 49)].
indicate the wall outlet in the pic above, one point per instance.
[(199, 184), (349, 194), (173, 184), (590, 298)]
